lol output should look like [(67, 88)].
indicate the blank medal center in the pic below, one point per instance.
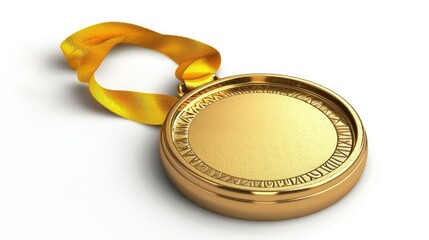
[(262, 136)]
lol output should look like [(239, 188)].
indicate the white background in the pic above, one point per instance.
[(69, 169)]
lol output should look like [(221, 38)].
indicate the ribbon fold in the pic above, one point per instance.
[(86, 49)]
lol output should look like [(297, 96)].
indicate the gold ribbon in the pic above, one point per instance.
[(86, 49)]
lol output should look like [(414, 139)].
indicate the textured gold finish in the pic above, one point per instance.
[(263, 147), (243, 146)]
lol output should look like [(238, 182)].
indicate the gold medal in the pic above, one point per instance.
[(261, 146)]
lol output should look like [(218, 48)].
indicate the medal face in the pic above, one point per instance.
[(263, 147)]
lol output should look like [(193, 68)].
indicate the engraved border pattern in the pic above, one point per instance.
[(340, 155)]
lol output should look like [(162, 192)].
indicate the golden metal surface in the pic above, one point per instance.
[(241, 147), (263, 147)]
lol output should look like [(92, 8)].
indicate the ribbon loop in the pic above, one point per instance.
[(86, 49)]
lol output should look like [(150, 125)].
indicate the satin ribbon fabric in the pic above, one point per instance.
[(86, 49)]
